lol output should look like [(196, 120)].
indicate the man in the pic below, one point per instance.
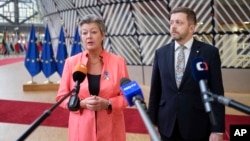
[(175, 103)]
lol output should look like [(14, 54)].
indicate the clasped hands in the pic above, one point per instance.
[(94, 103)]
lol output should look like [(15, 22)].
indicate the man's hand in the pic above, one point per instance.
[(216, 137)]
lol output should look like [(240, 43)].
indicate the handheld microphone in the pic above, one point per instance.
[(79, 74), (131, 91), (133, 95), (200, 74)]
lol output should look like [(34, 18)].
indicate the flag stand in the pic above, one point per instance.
[(40, 87), (46, 86), (31, 81), (48, 81), (36, 64)]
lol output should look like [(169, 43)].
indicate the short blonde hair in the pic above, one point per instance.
[(92, 18)]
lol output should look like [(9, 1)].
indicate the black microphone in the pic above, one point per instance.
[(200, 74), (133, 95), (231, 103), (79, 74)]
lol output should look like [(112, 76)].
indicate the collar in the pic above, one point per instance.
[(102, 54), (85, 56), (188, 44)]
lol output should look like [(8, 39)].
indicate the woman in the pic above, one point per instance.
[(100, 117)]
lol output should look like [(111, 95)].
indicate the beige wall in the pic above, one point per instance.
[(234, 80)]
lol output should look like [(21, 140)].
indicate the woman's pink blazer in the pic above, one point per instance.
[(87, 125)]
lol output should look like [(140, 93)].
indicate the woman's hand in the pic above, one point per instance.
[(94, 103)]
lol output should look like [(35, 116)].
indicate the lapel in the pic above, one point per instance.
[(195, 50), (171, 62)]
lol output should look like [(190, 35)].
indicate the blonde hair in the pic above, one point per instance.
[(92, 18)]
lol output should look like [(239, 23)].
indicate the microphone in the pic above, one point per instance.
[(131, 91), (200, 74), (231, 103), (133, 95), (79, 75)]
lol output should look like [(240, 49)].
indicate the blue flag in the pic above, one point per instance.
[(76, 48), (47, 57), (32, 60), (62, 53)]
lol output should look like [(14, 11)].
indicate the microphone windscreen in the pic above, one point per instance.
[(79, 73), (130, 90), (199, 69), (124, 81)]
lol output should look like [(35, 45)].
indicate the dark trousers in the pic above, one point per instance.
[(176, 136)]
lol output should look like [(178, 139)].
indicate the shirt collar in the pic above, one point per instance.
[(188, 44)]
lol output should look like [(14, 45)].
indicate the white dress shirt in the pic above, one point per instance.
[(188, 46)]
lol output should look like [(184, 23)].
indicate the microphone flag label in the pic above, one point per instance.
[(202, 66), (199, 69)]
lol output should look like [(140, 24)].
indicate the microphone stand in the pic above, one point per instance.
[(230, 103), (206, 101), (39, 120), (141, 106)]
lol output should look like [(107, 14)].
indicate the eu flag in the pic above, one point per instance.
[(62, 53), (32, 60), (47, 57), (76, 48)]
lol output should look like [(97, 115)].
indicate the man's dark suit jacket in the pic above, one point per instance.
[(169, 104)]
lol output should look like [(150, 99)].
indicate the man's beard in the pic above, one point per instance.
[(179, 36)]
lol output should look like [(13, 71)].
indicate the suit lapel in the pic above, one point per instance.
[(171, 62)]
